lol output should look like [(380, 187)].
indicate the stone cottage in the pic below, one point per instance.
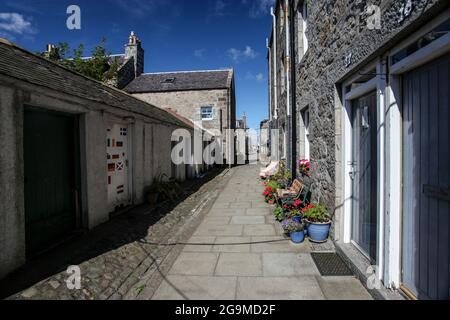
[(369, 92), (205, 97), (73, 151)]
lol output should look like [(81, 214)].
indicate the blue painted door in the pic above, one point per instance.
[(426, 180), (364, 211)]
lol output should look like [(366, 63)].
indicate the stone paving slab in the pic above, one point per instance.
[(232, 244), (200, 244), (251, 220), (239, 264), (258, 211), (197, 288), (343, 288), (195, 264), (250, 254), (288, 265), (272, 288), (223, 230), (259, 230), (277, 244), (226, 212)]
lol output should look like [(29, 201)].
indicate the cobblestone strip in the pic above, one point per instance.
[(134, 265)]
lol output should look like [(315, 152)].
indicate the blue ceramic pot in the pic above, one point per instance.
[(298, 237), (318, 232), (297, 219)]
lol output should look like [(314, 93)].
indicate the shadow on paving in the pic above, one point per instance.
[(121, 230)]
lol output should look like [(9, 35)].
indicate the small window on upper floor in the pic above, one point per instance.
[(207, 113)]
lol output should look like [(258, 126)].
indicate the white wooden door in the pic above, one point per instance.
[(117, 165)]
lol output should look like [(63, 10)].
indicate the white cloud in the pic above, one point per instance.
[(237, 55), (217, 9), (199, 53), (259, 77), (249, 53), (259, 8), (14, 24), (139, 9)]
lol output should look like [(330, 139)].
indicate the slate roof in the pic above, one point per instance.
[(182, 81), (23, 65)]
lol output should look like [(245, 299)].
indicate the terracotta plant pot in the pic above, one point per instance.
[(152, 198)]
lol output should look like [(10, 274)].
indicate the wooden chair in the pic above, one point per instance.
[(298, 191)]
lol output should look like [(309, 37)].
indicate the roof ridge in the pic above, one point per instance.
[(6, 42), (192, 71)]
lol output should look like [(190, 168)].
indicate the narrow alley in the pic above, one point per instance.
[(240, 252)]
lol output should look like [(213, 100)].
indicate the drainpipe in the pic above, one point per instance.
[(275, 85), (269, 49), (288, 86), (275, 79), (293, 88)]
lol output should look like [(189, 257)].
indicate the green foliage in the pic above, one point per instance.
[(165, 187), (290, 225), (279, 214), (316, 213), (100, 66), (273, 184)]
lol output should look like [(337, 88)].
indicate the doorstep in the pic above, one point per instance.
[(359, 264)]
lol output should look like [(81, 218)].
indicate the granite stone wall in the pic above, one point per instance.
[(339, 44), (189, 103)]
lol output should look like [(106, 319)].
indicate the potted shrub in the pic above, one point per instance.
[(304, 167), (295, 229), (162, 189), (279, 214), (318, 222), (292, 208), (270, 192)]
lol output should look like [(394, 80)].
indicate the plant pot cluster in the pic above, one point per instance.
[(298, 219), (163, 188)]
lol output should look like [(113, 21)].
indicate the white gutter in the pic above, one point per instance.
[(274, 18), (288, 59)]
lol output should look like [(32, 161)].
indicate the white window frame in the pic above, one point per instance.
[(378, 83), (305, 118), (211, 114), (305, 26)]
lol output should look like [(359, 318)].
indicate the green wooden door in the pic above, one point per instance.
[(50, 150)]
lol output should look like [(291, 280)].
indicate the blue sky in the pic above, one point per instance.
[(177, 35)]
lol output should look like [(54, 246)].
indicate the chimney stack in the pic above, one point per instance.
[(133, 49), (51, 52)]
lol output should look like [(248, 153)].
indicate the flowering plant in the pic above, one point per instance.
[(270, 192), (316, 213), (289, 225), (304, 167), (295, 205)]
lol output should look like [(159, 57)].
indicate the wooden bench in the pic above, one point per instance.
[(297, 188), (298, 191)]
